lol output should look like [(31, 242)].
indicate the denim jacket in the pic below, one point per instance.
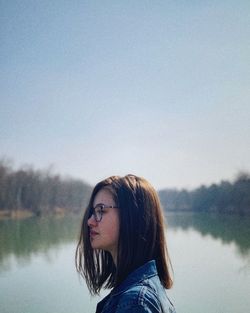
[(140, 292)]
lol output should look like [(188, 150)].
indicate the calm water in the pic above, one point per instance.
[(210, 256)]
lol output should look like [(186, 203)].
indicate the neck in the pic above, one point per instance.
[(114, 257)]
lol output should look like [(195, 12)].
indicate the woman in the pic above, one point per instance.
[(122, 246)]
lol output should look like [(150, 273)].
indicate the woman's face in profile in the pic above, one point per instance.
[(104, 234)]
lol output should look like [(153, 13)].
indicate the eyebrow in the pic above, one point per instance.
[(94, 206), (100, 204), (106, 205)]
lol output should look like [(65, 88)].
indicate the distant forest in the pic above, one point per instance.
[(225, 197), (40, 192)]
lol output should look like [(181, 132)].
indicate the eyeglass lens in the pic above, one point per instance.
[(98, 212)]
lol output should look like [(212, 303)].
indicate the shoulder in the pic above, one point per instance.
[(139, 298)]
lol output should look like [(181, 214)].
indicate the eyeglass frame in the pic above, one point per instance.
[(103, 206)]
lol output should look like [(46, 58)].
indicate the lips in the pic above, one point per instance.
[(93, 233)]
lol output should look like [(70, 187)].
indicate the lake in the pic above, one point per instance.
[(210, 255)]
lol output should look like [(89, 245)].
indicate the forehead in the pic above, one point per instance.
[(103, 196)]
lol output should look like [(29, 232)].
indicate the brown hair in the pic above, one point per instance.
[(141, 235)]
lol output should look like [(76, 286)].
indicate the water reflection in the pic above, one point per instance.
[(24, 238), (228, 228)]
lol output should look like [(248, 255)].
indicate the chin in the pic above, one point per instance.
[(95, 245)]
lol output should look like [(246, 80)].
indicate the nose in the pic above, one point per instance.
[(91, 221)]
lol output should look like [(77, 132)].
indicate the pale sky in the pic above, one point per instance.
[(160, 89)]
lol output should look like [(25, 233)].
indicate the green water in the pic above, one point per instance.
[(210, 256)]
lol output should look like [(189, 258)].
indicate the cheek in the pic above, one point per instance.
[(113, 231)]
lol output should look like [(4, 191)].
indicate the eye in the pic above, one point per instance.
[(99, 209)]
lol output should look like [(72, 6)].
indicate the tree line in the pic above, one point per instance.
[(225, 197), (40, 191)]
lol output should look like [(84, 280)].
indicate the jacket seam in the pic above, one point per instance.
[(141, 295)]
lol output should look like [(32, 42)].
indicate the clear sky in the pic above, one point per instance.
[(160, 89)]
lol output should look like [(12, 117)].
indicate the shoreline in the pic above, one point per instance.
[(23, 214)]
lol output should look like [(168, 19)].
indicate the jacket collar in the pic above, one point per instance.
[(141, 273)]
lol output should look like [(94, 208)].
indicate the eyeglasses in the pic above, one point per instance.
[(97, 211)]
